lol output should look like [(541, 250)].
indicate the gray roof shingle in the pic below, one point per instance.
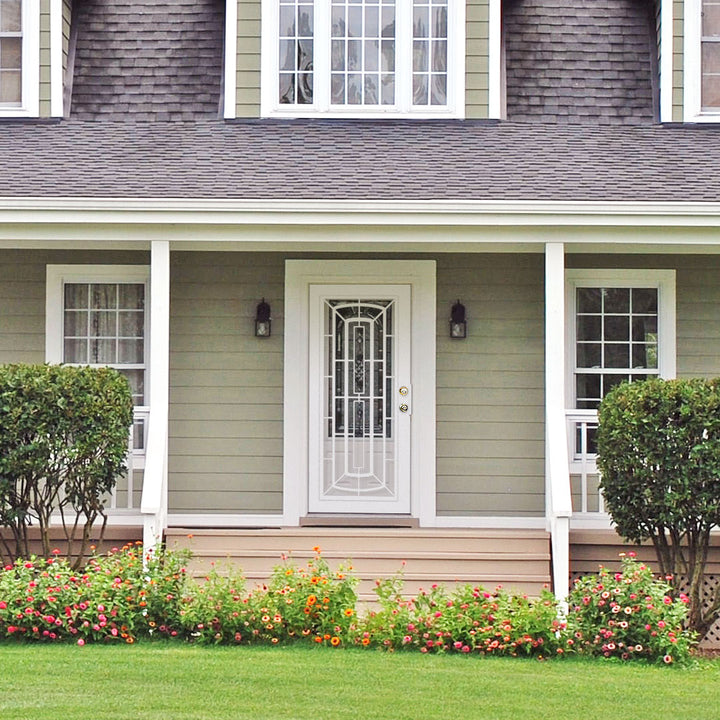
[(148, 58), (570, 60), (360, 160)]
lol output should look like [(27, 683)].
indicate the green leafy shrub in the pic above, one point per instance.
[(115, 598), (467, 619), (63, 444), (123, 596), (629, 614), (311, 602), (659, 456)]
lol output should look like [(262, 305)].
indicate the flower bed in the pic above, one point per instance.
[(119, 598)]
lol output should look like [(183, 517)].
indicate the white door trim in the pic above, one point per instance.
[(299, 276)]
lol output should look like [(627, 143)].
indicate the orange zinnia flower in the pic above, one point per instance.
[(335, 640), (311, 600)]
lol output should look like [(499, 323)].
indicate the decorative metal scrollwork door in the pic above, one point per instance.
[(360, 421)]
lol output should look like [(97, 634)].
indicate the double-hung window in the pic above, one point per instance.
[(19, 57), (701, 60), (621, 329), (96, 315), (363, 57)]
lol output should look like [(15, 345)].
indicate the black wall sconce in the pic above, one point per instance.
[(458, 323), (263, 322)]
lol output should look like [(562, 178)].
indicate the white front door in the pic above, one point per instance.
[(360, 399)]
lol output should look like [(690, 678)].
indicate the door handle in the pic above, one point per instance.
[(404, 408)]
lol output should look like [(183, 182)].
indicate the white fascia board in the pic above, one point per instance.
[(495, 90), (230, 76), (56, 59), (666, 61), (113, 211)]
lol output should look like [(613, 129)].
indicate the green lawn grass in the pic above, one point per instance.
[(171, 682)]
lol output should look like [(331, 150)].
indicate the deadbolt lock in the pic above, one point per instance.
[(403, 390)]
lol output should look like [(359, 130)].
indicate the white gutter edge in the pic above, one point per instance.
[(104, 211)]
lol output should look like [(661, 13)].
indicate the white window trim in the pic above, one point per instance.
[(692, 66), (56, 277), (663, 280), (270, 107), (30, 105)]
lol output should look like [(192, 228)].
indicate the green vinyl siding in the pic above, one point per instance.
[(225, 384), (248, 58), (45, 58), (22, 297), (490, 428), (678, 65), (477, 31)]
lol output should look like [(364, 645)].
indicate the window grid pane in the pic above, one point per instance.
[(10, 52), (362, 65), (710, 55), (616, 340), (104, 324), (296, 49), (430, 34)]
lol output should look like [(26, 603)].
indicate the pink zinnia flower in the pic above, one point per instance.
[(81, 642)]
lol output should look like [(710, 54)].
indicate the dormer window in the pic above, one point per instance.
[(710, 56), (363, 57), (11, 52), (19, 57), (701, 61)]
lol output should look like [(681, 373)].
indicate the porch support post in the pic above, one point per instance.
[(558, 508), (154, 504)]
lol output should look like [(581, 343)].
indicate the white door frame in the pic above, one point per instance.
[(299, 276)]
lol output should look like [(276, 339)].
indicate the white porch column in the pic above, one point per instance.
[(557, 474), (154, 497)]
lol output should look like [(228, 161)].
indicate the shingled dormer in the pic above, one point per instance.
[(148, 60), (580, 60)]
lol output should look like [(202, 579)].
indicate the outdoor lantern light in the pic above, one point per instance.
[(262, 320), (458, 323)]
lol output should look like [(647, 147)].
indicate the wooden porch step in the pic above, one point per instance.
[(517, 559)]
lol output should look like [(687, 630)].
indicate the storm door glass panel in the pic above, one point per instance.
[(10, 52), (104, 324), (296, 52), (362, 52), (359, 447)]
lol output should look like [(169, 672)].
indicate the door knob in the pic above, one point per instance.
[(404, 408)]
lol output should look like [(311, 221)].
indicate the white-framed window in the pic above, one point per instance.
[(97, 315), (19, 58), (620, 328), (369, 58), (701, 60)]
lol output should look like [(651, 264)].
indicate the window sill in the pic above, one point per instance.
[(353, 114)]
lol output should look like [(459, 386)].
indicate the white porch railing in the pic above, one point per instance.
[(584, 475), (137, 444)]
